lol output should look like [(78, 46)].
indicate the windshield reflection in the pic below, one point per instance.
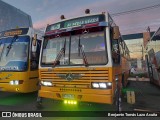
[(93, 49), (93, 45), (16, 59), (53, 48)]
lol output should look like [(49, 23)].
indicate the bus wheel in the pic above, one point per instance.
[(39, 103), (118, 101)]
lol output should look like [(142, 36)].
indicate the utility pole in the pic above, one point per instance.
[(142, 52)]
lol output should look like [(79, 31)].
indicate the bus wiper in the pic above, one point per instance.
[(59, 55), (10, 45), (80, 49)]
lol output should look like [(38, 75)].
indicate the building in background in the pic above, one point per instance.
[(11, 17), (136, 44), (153, 57)]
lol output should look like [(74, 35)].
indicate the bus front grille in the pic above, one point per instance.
[(74, 78)]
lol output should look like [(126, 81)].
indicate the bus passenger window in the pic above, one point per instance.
[(115, 52)]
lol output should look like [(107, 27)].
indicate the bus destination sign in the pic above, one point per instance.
[(81, 21), (76, 22), (13, 32)]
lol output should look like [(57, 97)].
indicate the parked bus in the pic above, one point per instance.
[(153, 58), (81, 59), (19, 58)]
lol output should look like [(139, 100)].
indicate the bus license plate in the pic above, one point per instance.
[(68, 96)]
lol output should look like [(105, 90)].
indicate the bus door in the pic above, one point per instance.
[(34, 59)]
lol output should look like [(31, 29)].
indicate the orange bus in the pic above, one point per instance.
[(81, 60)]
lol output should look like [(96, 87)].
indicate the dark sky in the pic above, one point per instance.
[(45, 12)]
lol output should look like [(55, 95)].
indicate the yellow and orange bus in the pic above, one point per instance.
[(19, 53), (81, 59)]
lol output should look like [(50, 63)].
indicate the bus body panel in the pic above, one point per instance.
[(81, 87), (25, 87)]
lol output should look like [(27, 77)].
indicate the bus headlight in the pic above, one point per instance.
[(109, 84), (95, 85), (16, 82), (46, 83), (103, 85), (106, 85), (11, 82)]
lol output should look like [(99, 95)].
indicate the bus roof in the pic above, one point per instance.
[(77, 17), (19, 31)]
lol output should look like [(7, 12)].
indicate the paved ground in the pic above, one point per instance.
[(147, 98)]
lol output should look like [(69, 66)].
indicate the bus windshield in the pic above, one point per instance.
[(14, 55), (92, 45)]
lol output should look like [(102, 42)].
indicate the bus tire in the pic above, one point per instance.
[(117, 100), (39, 103)]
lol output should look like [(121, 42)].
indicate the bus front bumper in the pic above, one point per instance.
[(79, 97), (22, 88)]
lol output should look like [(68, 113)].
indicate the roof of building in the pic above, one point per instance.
[(156, 35), (134, 36)]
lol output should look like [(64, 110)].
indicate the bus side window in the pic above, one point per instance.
[(35, 55), (115, 52)]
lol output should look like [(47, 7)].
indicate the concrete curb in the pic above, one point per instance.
[(138, 79)]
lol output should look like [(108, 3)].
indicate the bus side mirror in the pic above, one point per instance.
[(116, 32), (158, 69), (34, 42)]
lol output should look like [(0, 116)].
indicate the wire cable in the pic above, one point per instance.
[(136, 10)]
